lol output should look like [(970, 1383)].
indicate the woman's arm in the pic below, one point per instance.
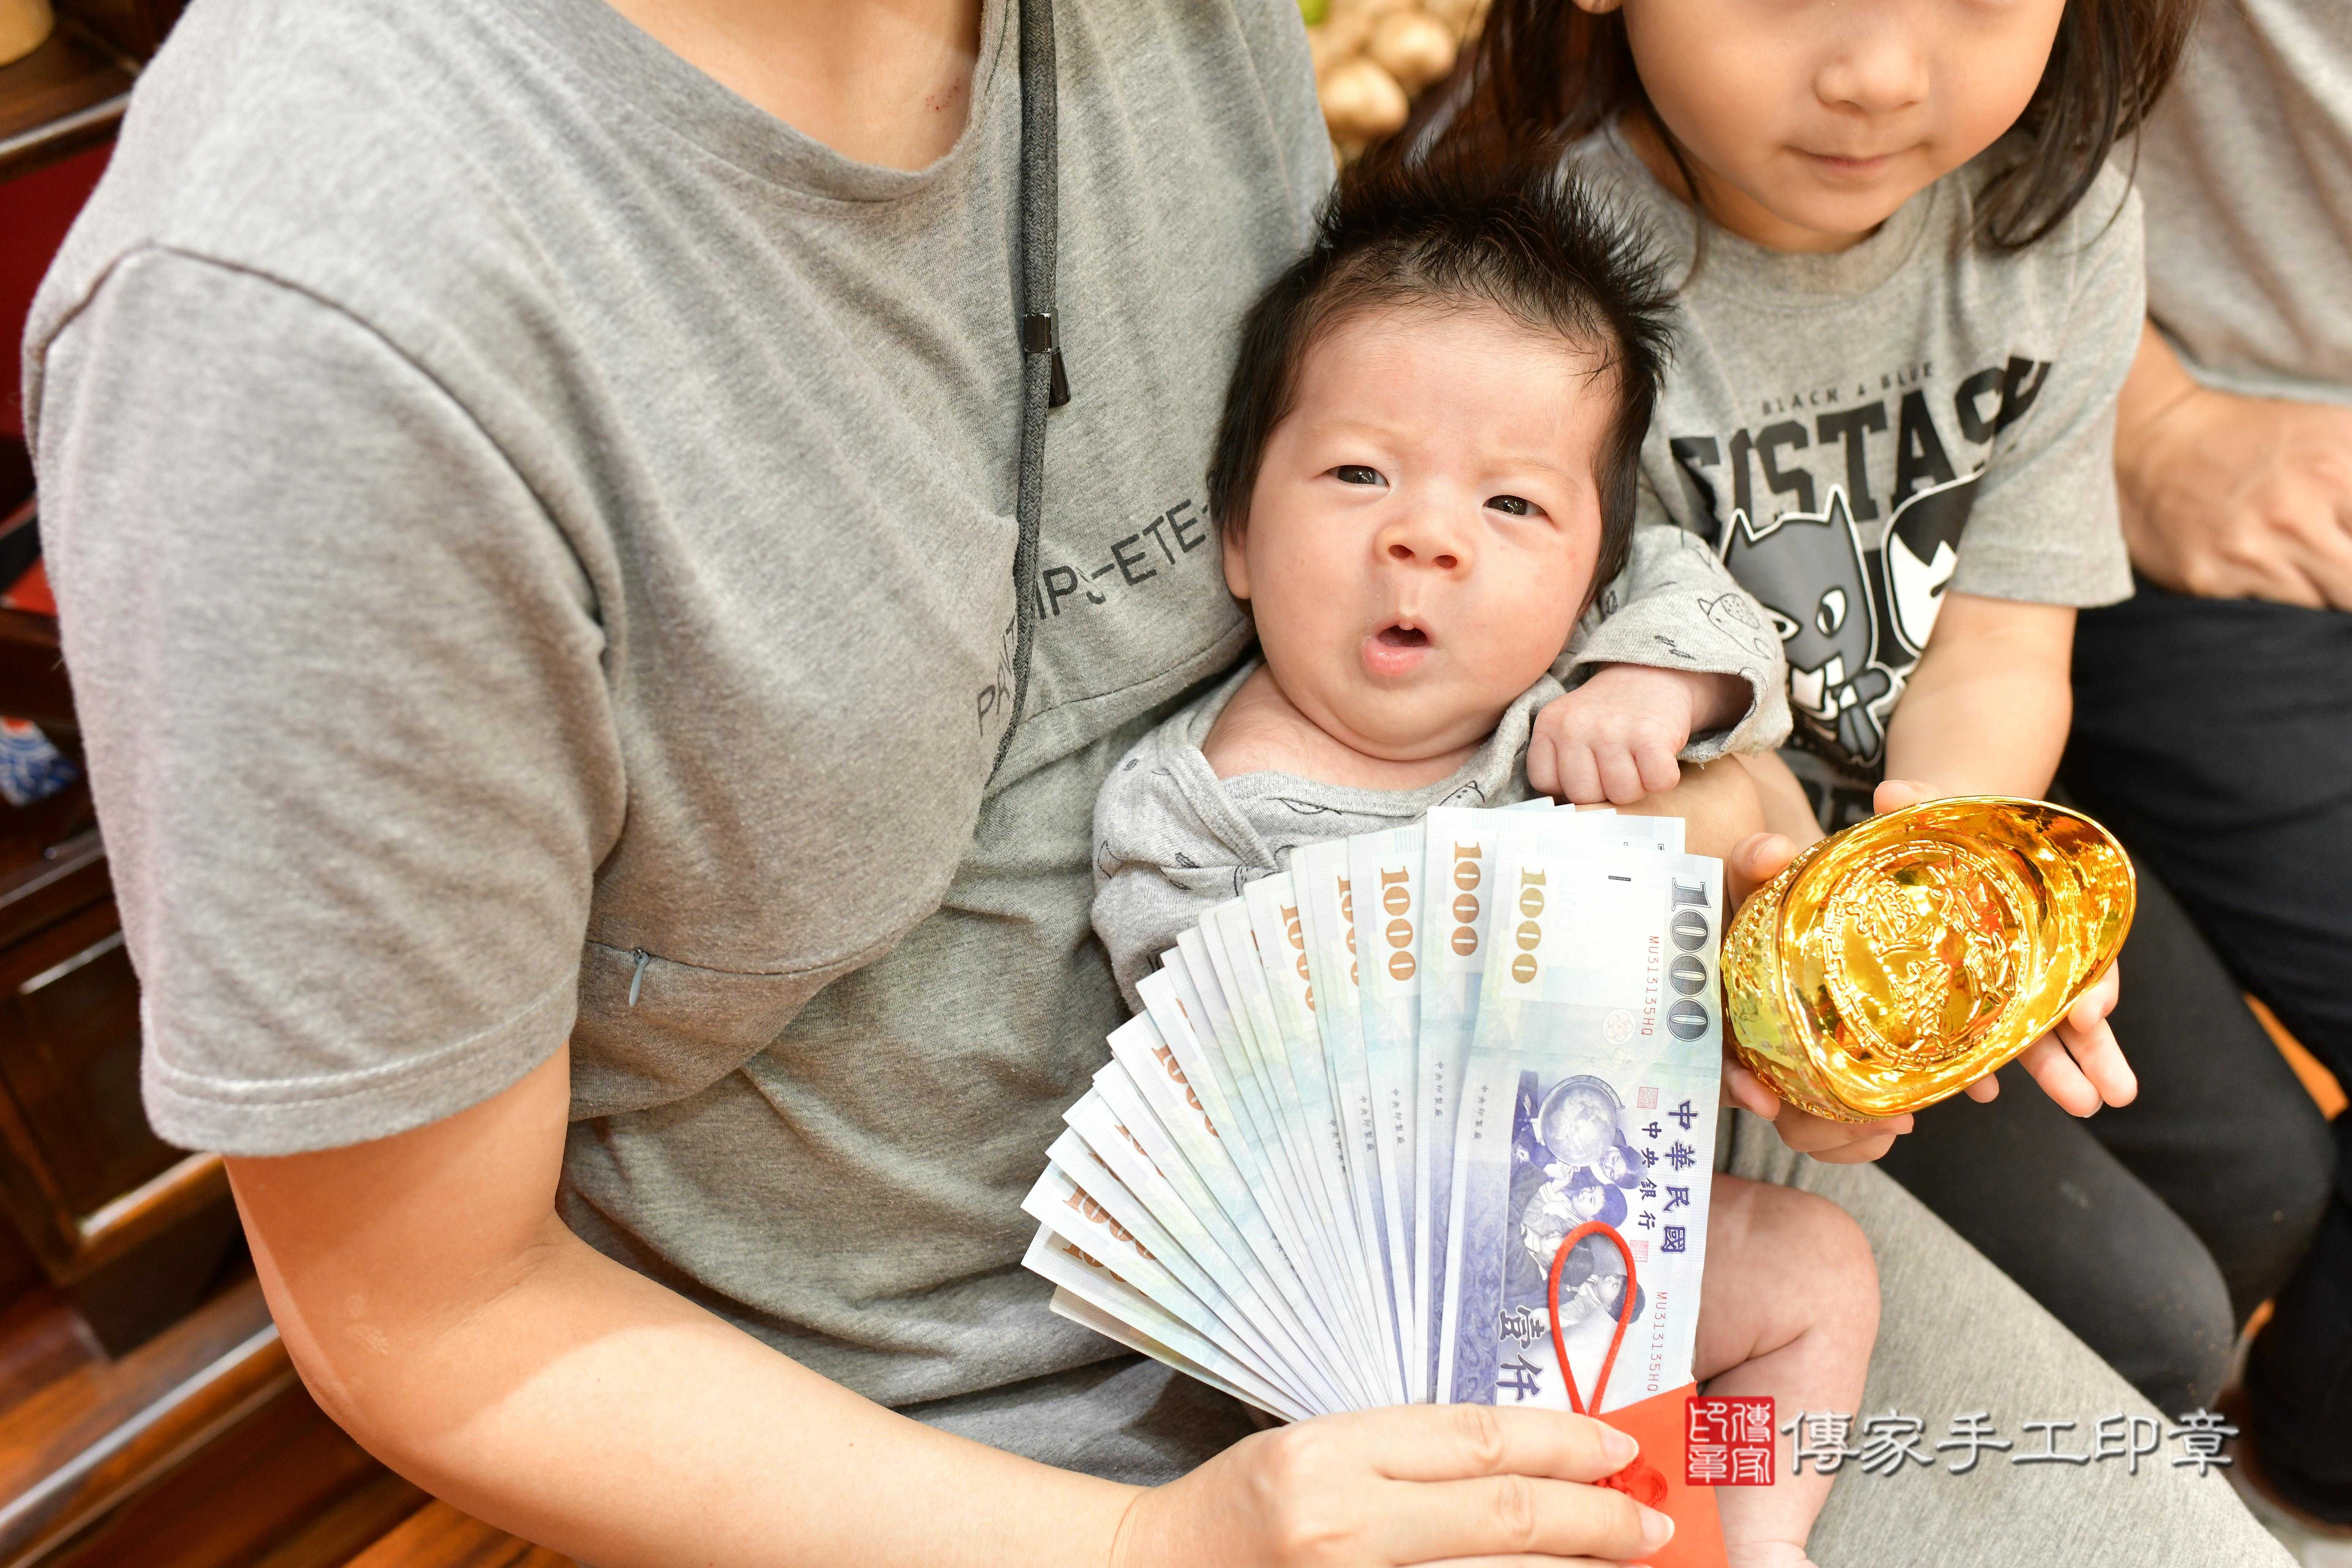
[(444, 1315)]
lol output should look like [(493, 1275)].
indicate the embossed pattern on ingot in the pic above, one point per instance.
[(1893, 963)]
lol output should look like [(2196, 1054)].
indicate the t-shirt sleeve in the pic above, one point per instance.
[(2045, 528), (1675, 607), (339, 676)]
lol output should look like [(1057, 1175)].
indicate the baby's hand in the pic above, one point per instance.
[(1614, 738)]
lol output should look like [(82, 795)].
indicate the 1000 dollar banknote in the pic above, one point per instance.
[(1589, 1097)]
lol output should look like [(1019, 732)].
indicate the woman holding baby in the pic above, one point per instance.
[(538, 572)]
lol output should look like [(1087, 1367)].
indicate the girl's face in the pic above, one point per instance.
[(1424, 529), (1809, 122)]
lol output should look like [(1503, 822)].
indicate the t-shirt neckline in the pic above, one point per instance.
[(1737, 265), (642, 74)]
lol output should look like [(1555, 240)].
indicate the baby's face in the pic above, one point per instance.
[(1424, 525)]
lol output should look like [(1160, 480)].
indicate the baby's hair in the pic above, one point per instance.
[(1550, 71), (1515, 234)]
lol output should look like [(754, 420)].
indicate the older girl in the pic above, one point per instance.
[(1912, 289)]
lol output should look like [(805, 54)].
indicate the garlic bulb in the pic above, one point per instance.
[(1371, 57), (1361, 102)]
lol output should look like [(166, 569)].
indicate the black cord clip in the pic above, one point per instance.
[(1041, 335)]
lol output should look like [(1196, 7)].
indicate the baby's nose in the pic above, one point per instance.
[(1444, 561)]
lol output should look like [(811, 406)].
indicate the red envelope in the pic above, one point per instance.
[(1658, 1476), (1658, 1479)]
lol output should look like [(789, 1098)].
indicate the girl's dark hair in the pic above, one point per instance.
[(1547, 70), (1513, 232)]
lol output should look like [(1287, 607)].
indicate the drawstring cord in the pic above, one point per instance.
[(1044, 382)]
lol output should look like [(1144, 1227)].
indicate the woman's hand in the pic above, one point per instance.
[(2234, 498), (1415, 1483)]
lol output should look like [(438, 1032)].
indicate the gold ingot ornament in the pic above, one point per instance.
[(1895, 962)]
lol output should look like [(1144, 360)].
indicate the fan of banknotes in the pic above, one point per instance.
[(1428, 1116)]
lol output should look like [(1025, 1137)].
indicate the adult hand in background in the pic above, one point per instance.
[(2234, 498)]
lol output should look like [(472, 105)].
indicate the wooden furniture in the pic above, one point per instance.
[(130, 1229), (69, 93), (201, 1449)]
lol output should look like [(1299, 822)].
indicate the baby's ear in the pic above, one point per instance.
[(1233, 548)]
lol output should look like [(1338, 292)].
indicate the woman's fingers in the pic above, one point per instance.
[(1503, 1515), (1985, 1091), (1454, 1442)]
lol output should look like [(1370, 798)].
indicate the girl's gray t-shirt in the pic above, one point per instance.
[(535, 537), (1857, 434)]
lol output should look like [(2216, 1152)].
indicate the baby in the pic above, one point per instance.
[(1426, 467)]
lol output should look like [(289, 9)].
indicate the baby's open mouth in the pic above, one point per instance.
[(1403, 636)]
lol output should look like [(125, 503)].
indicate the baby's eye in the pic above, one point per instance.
[(1357, 474), (1517, 506)]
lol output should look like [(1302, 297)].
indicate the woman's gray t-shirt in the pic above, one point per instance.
[(535, 537)]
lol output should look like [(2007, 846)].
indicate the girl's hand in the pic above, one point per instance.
[(1415, 1483), (2078, 1064), (1830, 1142)]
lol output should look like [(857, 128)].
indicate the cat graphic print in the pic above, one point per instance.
[(1852, 618)]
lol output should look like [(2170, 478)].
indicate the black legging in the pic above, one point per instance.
[(2216, 737), (2151, 1230)]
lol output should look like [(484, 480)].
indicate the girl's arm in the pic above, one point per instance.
[(442, 1313), (1988, 704)]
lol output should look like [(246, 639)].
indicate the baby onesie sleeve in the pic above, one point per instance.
[(1168, 846), (1675, 607)]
